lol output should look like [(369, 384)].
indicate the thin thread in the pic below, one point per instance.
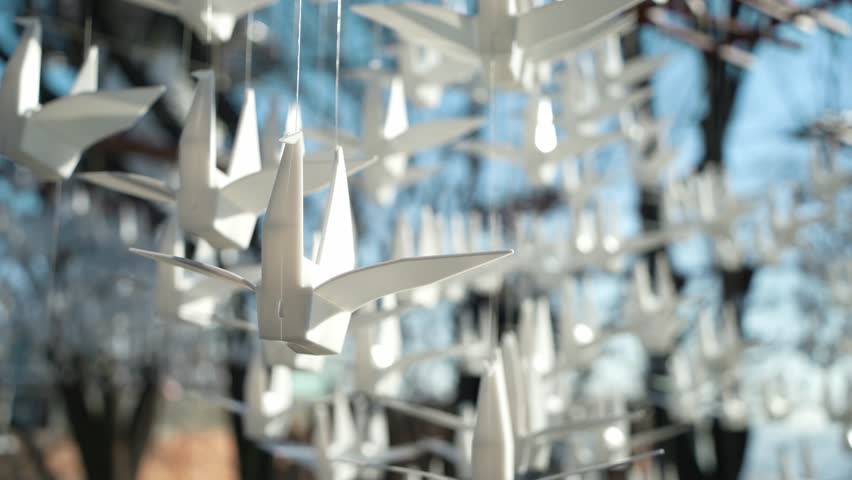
[(298, 52), (337, 78), (249, 27)]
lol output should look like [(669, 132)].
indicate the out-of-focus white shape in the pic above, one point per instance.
[(504, 40), (212, 21), (49, 139), (388, 136)]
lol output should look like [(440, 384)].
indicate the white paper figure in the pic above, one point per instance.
[(192, 299), (393, 140), (652, 315), (593, 246), (212, 21), (335, 438), (267, 400), (49, 139), (308, 304), (541, 154), (502, 38), (425, 72), (493, 439), (219, 207), (804, 18)]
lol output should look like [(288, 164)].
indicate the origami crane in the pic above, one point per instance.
[(212, 20), (49, 139), (308, 304)]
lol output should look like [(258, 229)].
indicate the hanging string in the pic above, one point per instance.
[(337, 78), (249, 27), (298, 52)]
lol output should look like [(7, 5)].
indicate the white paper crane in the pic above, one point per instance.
[(192, 299), (393, 140), (541, 153), (503, 35), (493, 453), (338, 437), (268, 400), (379, 362), (652, 315), (308, 304), (212, 20), (592, 246), (49, 139), (425, 72), (219, 207), (202, 208)]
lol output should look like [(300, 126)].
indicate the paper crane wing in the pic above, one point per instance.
[(162, 6), (251, 193), (57, 134), (558, 432), (304, 455), (639, 70), (417, 358), (132, 184), (326, 136), (317, 172), (424, 24), (549, 22), (198, 267), (353, 289), (392, 469), (616, 465), (413, 175), (213, 287), (424, 136), (364, 318), (495, 151), (398, 454), (431, 415), (238, 8)]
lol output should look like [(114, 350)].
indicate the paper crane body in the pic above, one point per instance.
[(503, 37), (49, 139), (212, 20), (202, 208), (308, 304)]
